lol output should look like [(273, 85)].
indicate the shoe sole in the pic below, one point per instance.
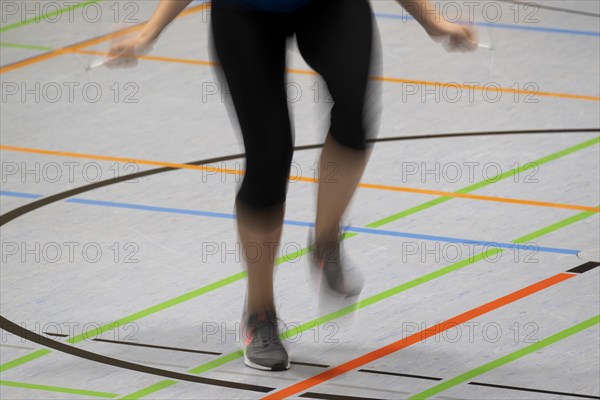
[(276, 367)]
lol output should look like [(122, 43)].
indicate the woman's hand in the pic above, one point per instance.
[(125, 54), (452, 36)]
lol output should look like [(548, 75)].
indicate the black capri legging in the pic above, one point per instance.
[(337, 38)]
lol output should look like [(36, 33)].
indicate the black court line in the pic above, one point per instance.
[(327, 396), (494, 133), (584, 267), (55, 334), (585, 396), (551, 8), (153, 346), (310, 364), (184, 350), (213, 353), (371, 371), (10, 326)]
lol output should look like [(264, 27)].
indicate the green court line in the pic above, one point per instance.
[(366, 302), (159, 307), (554, 227), (25, 46), (289, 257), (150, 389), (22, 360), (506, 359), (48, 15), (59, 389)]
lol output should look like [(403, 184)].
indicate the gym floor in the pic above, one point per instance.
[(476, 223)]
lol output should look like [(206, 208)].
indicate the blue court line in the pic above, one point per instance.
[(141, 207), (532, 247), (20, 194), (503, 26)]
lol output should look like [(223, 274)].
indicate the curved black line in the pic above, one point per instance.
[(34, 205), (88, 355), (17, 212), (494, 133), (68, 349)]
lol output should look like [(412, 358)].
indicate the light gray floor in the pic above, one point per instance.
[(141, 244)]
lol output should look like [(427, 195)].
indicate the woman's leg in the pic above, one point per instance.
[(338, 38), (251, 49)]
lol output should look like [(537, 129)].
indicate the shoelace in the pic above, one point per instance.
[(265, 331)]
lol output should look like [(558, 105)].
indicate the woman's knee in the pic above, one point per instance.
[(266, 178)]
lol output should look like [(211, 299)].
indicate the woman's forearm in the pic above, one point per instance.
[(165, 12)]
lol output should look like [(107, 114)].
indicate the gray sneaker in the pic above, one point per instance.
[(263, 349), (328, 266)]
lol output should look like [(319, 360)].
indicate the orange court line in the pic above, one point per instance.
[(491, 89), (417, 337), (379, 78), (214, 169)]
